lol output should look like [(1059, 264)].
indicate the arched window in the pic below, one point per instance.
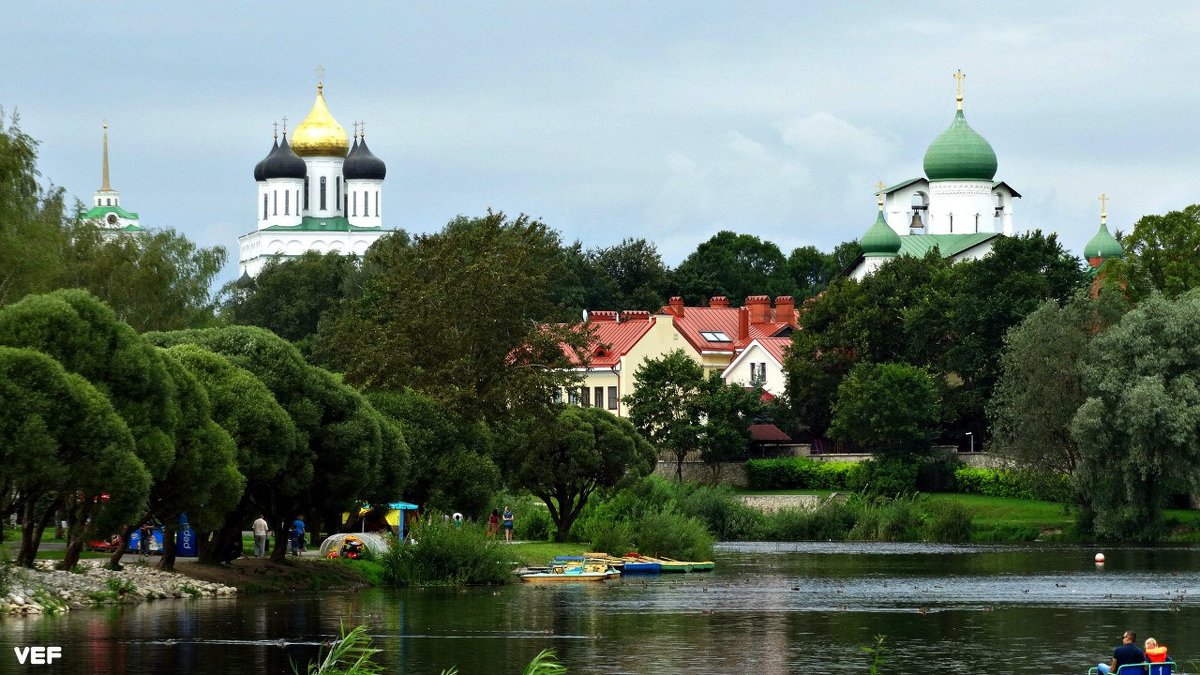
[(322, 193), (264, 206)]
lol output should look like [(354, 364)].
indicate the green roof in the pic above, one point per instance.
[(960, 153), (98, 212), (949, 245), (1103, 245), (880, 239), (330, 224)]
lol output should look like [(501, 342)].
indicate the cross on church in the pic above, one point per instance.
[(285, 125), (1103, 207), (959, 76), (275, 126), (320, 75), (879, 191)]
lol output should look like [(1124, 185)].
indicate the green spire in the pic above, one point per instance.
[(960, 153), (1103, 245)]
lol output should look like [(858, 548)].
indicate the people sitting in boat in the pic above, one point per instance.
[(1155, 653), (1125, 654)]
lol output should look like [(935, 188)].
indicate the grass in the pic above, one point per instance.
[(534, 553)]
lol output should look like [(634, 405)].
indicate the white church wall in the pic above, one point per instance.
[(960, 207)]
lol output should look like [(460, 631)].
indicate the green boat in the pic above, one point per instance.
[(670, 566)]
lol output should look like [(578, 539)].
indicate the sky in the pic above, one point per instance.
[(668, 121)]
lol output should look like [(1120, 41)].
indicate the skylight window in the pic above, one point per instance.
[(715, 336)]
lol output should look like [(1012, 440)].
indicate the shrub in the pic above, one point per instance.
[(1013, 484), (534, 524), (888, 520), (447, 556), (797, 473), (615, 540), (726, 516), (946, 521), (888, 477), (829, 522), (672, 535), (938, 475)]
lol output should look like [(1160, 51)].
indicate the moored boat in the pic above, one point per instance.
[(571, 572)]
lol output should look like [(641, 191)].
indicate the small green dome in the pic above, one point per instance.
[(880, 239), (1103, 245), (960, 153)]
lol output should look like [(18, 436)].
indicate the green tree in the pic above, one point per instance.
[(203, 481), (583, 450), (1041, 387), (890, 409), (667, 404), (31, 218), (451, 467), (157, 280), (460, 315), (729, 409), (1161, 254), (270, 454), (637, 273), (290, 297), (60, 440), (733, 265), (1139, 429)]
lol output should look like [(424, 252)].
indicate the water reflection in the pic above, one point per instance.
[(768, 609)]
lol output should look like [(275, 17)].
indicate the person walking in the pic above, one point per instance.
[(298, 535), (260, 529), (507, 518)]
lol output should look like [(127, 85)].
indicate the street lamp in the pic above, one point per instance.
[(972, 437)]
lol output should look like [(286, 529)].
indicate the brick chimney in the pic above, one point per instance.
[(635, 315), (602, 315), (718, 301), (785, 310), (743, 323), (675, 305), (760, 308)]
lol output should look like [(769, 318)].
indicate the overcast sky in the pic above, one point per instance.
[(664, 120)]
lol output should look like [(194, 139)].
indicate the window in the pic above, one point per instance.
[(306, 193), (297, 202), (758, 373), (355, 203), (612, 398), (599, 396), (287, 200), (558, 393), (714, 336), (109, 200), (345, 204), (587, 396), (377, 202), (338, 186), (322, 193), (274, 202), (264, 206), (573, 396)]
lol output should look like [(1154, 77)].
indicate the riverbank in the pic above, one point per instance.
[(45, 590)]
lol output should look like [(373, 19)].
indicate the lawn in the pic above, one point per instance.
[(534, 553)]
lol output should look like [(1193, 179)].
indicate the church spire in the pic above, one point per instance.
[(959, 76), (104, 186)]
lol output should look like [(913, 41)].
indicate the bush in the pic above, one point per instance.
[(888, 477), (615, 540), (945, 521), (447, 556), (797, 473), (1013, 484), (938, 475), (726, 516), (829, 522), (534, 523), (672, 535)]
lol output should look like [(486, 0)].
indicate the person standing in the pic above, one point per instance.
[(508, 523), (298, 535), (260, 529), (493, 523), (1124, 655)]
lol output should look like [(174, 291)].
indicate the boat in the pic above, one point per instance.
[(572, 572), (672, 566)]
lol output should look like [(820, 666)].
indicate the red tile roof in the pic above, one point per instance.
[(612, 339), (768, 433), (698, 320), (776, 346)]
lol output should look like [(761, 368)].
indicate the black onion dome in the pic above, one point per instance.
[(362, 164), (260, 169), (284, 163)]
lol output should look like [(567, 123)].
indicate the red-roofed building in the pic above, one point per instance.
[(621, 342), (760, 364), (718, 333)]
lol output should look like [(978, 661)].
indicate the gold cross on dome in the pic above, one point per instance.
[(959, 76), (879, 191), (1103, 207), (320, 75), (275, 126)]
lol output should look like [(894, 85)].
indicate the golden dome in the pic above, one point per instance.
[(319, 135)]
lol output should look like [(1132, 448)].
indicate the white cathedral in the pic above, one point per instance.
[(316, 193), (957, 206)]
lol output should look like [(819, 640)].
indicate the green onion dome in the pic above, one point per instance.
[(1103, 245), (960, 153), (880, 239)]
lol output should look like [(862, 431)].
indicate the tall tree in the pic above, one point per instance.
[(729, 409), (667, 405), (61, 441), (889, 409), (636, 272), (460, 315), (289, 297), (733, 265), (582, 451), (31, 218), (1161, 254), (1139, 429)]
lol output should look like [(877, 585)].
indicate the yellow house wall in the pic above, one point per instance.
[(661, 339)]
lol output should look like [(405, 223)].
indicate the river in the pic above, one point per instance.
[(768, 608)]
